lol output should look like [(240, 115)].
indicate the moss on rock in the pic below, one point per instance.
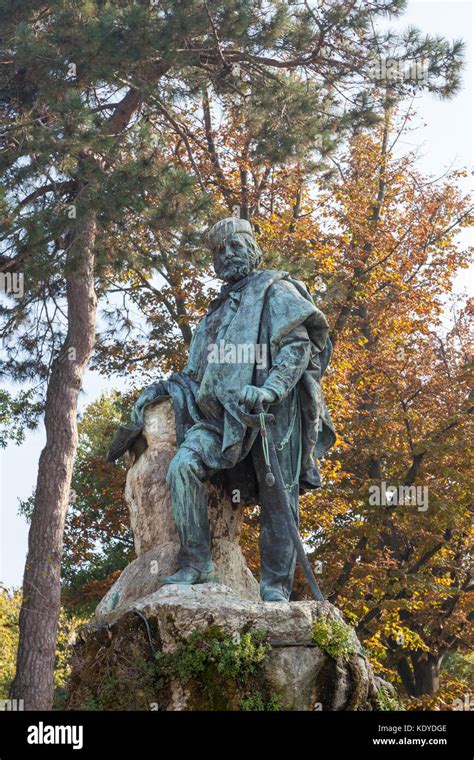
[(218, 669), (335, 638)]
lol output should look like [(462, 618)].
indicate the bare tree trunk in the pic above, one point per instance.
[(426, 668), (41, 583), (423, 675)]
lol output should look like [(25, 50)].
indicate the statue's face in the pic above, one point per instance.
[(232, 259)]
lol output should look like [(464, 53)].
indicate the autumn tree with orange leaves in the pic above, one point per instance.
[(398, 390)]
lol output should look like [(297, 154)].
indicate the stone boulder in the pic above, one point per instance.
[(120, 666)]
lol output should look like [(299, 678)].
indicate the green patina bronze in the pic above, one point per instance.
[(262, 341)]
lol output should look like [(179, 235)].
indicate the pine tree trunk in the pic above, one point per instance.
[(41, 584)]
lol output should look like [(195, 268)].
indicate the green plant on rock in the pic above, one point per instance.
[(387, 701), (334, 637), (91, 703), (256, 702), (108, 689), (233, 657), (216, 661)]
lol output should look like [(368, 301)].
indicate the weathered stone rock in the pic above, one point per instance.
[(143, 576), (154, 532), (298, 674)]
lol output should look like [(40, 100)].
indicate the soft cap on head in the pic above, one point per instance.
[(225, 228)]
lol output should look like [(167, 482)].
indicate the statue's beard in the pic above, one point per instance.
[(234, 270)]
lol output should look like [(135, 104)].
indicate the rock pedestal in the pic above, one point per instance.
[(123, 659), (117, 666)]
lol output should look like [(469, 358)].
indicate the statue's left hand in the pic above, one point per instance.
[(250, 395)]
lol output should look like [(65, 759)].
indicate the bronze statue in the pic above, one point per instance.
[(263, 345)]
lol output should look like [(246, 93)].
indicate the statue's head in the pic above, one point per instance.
[(234, 249)]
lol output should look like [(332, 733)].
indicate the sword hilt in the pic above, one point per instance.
[(254, 420), (260, 420)]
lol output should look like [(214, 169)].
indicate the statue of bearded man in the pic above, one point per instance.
[(262, 341)]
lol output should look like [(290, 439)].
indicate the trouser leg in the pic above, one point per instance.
[(277, 552), (186, 478)]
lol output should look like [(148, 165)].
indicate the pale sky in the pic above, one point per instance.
[(444, 138)]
